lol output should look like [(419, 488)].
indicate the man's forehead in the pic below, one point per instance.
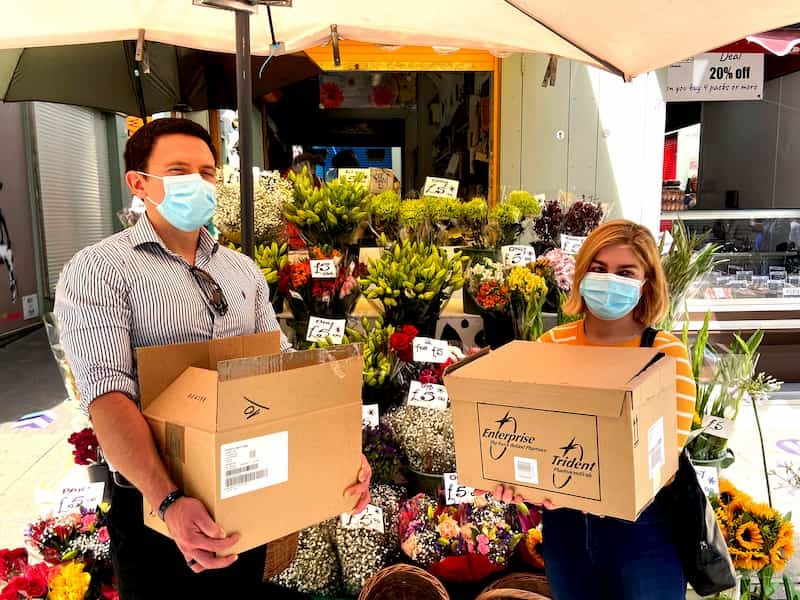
[(181, 149)]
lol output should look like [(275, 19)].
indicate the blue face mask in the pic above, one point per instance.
[(189, 201), (610, 297)]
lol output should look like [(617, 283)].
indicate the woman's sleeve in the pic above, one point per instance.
[(687, 391)]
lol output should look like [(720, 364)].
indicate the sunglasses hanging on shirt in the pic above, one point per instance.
[(211, 290)]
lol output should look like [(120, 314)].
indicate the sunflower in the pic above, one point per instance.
[(755, 561), (738, 557), (533, 544), (786, 532), (761, 511), (737, 506), (722, 520), (781, 552), (727, 492), (749, 536)]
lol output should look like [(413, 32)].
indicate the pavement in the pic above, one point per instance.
[(35, 462)]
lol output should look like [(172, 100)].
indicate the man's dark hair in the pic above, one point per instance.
[(140, 144)]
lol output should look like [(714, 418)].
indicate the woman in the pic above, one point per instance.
[(621, 290)]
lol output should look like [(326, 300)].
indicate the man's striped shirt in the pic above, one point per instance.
[(573, 333), (130, 291)]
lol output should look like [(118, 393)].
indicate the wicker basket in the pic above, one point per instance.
[(528, 582), (280, 555), (509, 594), (403, 582)]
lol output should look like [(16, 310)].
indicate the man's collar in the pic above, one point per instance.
[(143, 234)]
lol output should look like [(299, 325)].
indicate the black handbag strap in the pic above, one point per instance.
[(648, 337)]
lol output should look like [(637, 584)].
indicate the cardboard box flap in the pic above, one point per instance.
[(558, 364), (190, 400), (263, 365), (159, 366)]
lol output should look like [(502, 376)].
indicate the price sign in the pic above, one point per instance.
[(369, 518), (370, 415), (744, 275), (427, 395), (791, 292), (455, 493), (353, 175), (439, 187), (571, 244), (777, 273), (320, 329), (717, 76), (323, 269), (429, 350), (708, 479), (72, 498), (717, 426), (516, 256)]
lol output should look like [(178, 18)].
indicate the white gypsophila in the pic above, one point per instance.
[(271, 193)]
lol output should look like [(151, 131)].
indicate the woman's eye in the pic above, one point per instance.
[(598, 270)]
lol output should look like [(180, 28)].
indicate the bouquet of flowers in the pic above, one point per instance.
[(271, 193), (426, 437), (332, 297), (759, 539), (582, 218), (463, 543), (528, 295), (487, 286), (327, 215), (548, 225), (384, 454), (412, 282), (474, 216), (86, 447), (77, 546), (384, 213), (563, 265)]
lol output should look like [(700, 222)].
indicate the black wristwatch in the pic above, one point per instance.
[(169, 501)]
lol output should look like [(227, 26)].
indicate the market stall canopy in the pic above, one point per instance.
[(107, 76), (627, 37)]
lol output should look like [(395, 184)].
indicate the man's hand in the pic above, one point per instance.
[(197, 535), (507, 495), (361, 489)]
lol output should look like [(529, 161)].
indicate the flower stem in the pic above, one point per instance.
[(763, 450)]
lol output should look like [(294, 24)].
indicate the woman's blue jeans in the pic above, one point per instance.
[(596, 558)]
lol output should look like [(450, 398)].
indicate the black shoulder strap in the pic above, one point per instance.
[(648, 337)]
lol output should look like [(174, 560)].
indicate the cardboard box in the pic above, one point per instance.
[(267, 441), (588, 428)]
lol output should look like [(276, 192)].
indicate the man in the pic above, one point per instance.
[(163, 281)]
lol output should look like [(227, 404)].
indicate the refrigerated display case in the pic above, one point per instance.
[(756, 284)]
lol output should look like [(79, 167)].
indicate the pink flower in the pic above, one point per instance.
[(88, 521), (447, 528), (102, 535)]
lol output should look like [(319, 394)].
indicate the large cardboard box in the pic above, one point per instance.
[(588, 428), (267, 441)]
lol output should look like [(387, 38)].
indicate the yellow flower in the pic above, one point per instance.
[(737, 506), (749, 536), (781, 552), (761, 511), (722, 520), (728, 492), (447, 528), (755, 561), (533, 544), (520, 279), (786, 532), (71, 583)]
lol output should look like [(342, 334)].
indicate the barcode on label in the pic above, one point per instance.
[(252, 453), (655, 446), (245, 478), (240, 470), (526, 470)]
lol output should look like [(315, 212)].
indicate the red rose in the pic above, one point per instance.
[(402, 342)]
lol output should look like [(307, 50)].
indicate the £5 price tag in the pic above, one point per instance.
[(320, 329), (369, 518), (717, 426), (438, 187), (427, 395), (515, 256), (370, 415), (72, 498), (455, 493), (571, 244), (429, 350), (323, 269)]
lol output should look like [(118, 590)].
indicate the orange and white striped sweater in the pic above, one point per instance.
[(573, 333)]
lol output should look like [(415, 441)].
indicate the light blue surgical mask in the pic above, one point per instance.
[(189, 201), (610, 297)]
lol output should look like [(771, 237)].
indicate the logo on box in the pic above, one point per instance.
[(504, 435), (569, 463)]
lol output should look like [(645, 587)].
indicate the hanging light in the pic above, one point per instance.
[(388, 47), (445, 50), (501, 53)]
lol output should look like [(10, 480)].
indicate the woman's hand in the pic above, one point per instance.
[(361, 489), (508, 495)]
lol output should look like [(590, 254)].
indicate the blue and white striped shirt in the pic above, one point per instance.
[(130, 291)]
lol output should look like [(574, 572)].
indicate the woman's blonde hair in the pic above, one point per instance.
[(654, 302)]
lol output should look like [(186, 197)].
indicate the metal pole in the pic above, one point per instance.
[(244, 102)]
